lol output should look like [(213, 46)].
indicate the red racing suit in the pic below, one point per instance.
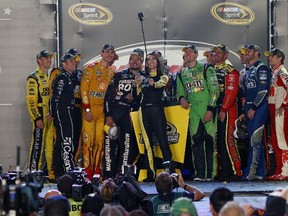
[(278, 98), (228, 79), (94, 83)]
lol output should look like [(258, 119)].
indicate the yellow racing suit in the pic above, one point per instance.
[(37, 99), (94, 83)]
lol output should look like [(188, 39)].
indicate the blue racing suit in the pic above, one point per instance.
[(256, 87)]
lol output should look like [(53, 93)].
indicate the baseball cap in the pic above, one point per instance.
[(68, 56), (183, 205), (73, 52), (275, 51), (44, 54), (221, 48), (250, 47), (92, 203), (107, 47), (239, 50), (206, 53), (138, 55), (64, 185), (190, 47), (139, 51)]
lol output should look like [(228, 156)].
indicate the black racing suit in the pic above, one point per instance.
[(62, 110), (118, 104), (153, 123)]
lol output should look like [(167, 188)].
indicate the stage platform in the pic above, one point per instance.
[(254, 192)]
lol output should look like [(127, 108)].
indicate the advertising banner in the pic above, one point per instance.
[(176, 127)]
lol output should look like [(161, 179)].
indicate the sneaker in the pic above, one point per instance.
[(198, 179), (149, 180), (208, 179)]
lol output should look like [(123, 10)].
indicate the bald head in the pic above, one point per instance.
[(52, 193)]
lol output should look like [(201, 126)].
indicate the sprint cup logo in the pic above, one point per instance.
[(233, 13), (172, 135), (90, 14)]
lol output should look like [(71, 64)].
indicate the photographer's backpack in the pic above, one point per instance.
[(128, 192)]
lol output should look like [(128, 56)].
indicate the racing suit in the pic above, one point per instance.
[(76, 78), (117, 105), (152, 122), (200, 86), (278, 98), (62, 110), (256, 87), (37, 100), (228, 80), (94, 83)]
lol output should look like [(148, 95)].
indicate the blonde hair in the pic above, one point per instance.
[(231, 208), (107, 190)]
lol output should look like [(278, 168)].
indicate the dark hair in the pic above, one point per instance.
[(219, 197), (164, 183), (159, 68), (56, 206)]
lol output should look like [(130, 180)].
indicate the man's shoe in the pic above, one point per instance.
[(198, 179), (278, 177)]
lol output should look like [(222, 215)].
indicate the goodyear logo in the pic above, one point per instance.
[(233, 13), (90, 14)]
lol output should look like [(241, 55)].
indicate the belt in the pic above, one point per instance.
[(124, 104)]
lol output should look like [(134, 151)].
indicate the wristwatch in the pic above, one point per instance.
[(87, 110)]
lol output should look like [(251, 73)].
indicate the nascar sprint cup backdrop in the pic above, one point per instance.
[(166, 25)]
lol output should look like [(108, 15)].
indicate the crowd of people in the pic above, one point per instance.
[(167, 201), (70, 110)]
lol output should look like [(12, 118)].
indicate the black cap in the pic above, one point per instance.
[(190, 47), (139, 51), (250, 47), (73, 52), (66, 57), (275, 51), (221, 47), (44, 54), (107, 47)]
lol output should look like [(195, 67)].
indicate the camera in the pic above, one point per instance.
[(128, 169), (82, 186), (140, 16), (175, 178), (95, 180), (37, 179), (20, 199)]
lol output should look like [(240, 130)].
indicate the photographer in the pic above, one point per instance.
[(161, 203)]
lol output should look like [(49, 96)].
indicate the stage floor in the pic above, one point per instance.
[(254, 192)]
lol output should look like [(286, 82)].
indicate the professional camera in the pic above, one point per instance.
[(95, 180), (82, 186), (19, 199), (10, 177), (175, 178), (128, 169), (36, 178)]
